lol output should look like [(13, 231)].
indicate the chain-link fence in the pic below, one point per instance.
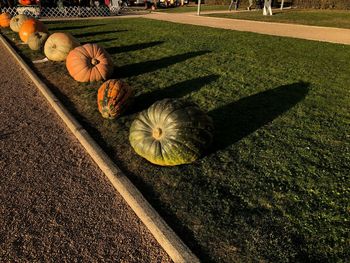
[(55, 12)]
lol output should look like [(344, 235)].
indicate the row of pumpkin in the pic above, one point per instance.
[(170, 132)]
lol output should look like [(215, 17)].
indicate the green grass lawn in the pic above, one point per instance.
[(328, 18), (275, 184)]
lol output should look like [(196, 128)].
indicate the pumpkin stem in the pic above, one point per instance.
[(94, 61), (157, 133)]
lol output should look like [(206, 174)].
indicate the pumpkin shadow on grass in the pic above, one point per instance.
[(153, 65), (238, 119), (104, 40), (73, 27), (93, 34), (117, 50), (177, 90)]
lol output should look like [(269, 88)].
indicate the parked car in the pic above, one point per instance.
[(136, 2), (168, 3), (160, 3)]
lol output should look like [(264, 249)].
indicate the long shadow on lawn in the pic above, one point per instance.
[(104, 40), (116, 50), (153, 65), (73, 27), (238, 119), (177, 90), (90, 34)]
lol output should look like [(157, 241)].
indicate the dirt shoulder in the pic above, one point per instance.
[(55, 203)]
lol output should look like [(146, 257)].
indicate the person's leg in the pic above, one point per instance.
[(270, 10), (237, 4), (230, 6), (267, 8), (250, 5)]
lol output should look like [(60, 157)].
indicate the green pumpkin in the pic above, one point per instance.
[(171, 132), (37, 40)]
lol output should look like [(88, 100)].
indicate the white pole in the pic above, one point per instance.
[(199, 8)]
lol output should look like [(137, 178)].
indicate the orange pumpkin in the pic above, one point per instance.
[(25, 2), (113, 98), (88, 63), (30, 26), (5, 19)]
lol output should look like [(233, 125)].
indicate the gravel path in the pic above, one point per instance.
[(55, 204)]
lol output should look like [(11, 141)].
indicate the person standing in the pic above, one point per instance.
[(267, 8), (114, 6), (250, 5), (234, 3), (154, 6)]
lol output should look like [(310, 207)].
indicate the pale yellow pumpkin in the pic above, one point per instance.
[(58, 45), (17, 21), (37, 40)]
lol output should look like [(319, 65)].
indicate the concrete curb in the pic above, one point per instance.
[(165, 236)]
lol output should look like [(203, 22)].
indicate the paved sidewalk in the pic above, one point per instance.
[(55, 203), (326, 34), (316, 33)]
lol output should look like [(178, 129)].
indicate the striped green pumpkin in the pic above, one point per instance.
[(171, 132), (113, 97)]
